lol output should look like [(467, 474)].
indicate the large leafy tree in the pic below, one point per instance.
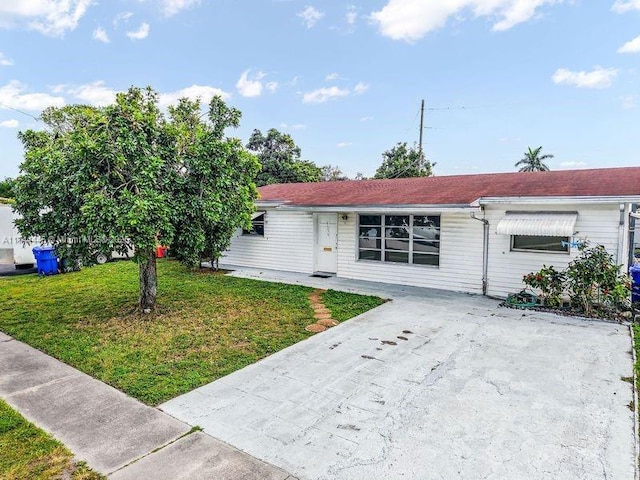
[(333, 174), (533, 161), (403, 161), (280, 159), (6, 188), (99, 179)]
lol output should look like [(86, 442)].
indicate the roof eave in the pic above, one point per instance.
[(549, 200)]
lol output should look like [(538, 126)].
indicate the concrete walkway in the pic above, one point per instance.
[(434, 385), (115, 434)]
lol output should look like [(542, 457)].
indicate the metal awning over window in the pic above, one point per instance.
[(255, 215), (543, 224)]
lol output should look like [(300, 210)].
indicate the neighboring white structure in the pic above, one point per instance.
[(469, 233)]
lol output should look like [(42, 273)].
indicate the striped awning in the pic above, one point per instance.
[(543, 224)]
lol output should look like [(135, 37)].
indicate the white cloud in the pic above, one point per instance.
[(14, 95), (296, 126), (322, 95), (141, 33), (250, 87), (573, 164), (410, 20), (597, 78), (5, 61), (343, 144), (171, 7), (272, 87), (10, 124), (50, 17), (204, 92), (122, 17), (331, 77), (352, 14), (632, 46), (360, 88), (100, 34), (95, 93), (366, 119), (622, 6), (310, 16)]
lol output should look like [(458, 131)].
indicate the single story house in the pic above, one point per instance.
[(469, 233)]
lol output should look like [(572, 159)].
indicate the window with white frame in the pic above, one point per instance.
[(410, 239), (257, 225), (539, 243)]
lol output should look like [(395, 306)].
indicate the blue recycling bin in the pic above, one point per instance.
[(46, 260), (635, 284)]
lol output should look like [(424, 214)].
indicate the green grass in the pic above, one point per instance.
[(206, 325), (28, 453), (344, 305)]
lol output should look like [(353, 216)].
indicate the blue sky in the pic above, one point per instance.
[(345, 79)]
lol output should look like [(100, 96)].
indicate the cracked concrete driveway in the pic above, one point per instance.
[(434, 386)]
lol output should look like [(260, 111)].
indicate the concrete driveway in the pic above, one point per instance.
[(434, 385)]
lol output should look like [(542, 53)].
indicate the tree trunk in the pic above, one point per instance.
[(148, 283)]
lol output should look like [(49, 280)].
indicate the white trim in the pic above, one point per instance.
[(556, 199)]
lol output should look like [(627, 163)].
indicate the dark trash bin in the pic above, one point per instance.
[(635, 284), (46, 260)]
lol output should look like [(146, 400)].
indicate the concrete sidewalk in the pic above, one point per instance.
[(115, 434)]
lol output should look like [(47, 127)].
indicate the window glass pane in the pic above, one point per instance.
[(426, 233), (371, 232), (422, 259), (370, 255), (547, 244), (396, 232), (258, 229), (424, 246), (396, 220), (427, 221), (259, 218), (370, 219), (370, 243), (397, 244), (397, 257)]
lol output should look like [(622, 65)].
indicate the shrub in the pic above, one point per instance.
[(592, 281), (550, 282)]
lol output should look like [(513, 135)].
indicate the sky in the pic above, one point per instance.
[(346, 79)]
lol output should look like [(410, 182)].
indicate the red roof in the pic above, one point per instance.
[(459, 189)]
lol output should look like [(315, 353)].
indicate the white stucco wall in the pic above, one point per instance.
[(6, 234)]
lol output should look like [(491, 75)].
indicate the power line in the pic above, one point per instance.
[(20, 111)]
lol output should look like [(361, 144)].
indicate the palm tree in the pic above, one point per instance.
[(533, 161)]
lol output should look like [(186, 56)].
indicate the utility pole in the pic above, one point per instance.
[(421, 127)]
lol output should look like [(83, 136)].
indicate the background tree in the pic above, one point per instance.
[(280, 159), (533, 161), (6, 188), (333, 174), (97, 179), (403, 161)]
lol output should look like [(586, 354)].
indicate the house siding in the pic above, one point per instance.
[(597, 223), (287, 244), (6, 234), (460, 257)]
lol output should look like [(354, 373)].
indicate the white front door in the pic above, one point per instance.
[(326, 242)]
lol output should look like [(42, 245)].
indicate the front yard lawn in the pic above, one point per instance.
[(206, 326), (28, 453)]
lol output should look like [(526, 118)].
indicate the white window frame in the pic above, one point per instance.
[(531, 250), (254, 222), (383, 238)]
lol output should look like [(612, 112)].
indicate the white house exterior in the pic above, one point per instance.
[(471, 233)]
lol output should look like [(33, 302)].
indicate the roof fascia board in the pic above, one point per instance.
[(556, 200), (378, 208)]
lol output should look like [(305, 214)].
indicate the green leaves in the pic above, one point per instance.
[(98, 178), (403, 162)]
